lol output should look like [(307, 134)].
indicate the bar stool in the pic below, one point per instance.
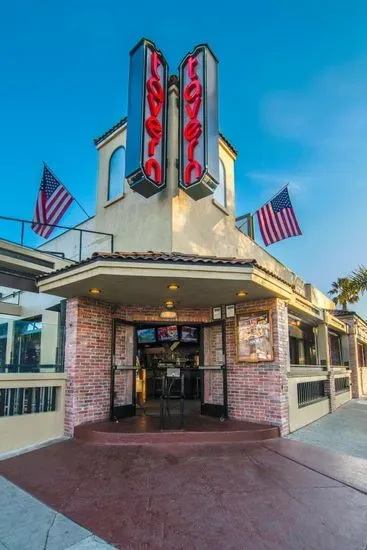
[(172, 375)]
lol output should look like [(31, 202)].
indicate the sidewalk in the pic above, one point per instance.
[(27, 524), (344, 431), (274, 495)]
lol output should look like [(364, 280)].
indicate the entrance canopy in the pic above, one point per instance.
[(144, 278)]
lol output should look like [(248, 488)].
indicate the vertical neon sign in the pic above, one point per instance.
[(199, 132), (147, 120)]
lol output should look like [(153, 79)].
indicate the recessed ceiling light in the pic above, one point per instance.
[(169, 304), (173, 286), (241, 293), (95, 291)]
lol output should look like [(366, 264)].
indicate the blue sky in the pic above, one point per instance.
[(293, 100)]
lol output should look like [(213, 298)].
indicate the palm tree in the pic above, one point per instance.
[(359, 279), (344, 292)]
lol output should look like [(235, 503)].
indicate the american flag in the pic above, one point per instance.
[(277, 219), (52, 202)]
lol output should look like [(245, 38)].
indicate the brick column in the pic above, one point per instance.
[(87, 362), (355, 373), (258, 392)]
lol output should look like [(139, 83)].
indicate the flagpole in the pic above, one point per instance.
[(277, 193), (56, 178)]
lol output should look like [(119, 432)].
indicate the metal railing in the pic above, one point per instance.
[(313, 366), (342, 384), (11, 297), (18, 401), (310, 392), (80, 232)]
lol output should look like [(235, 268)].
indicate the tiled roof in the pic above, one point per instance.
[(229, 144), (346, 313), (341, 312), (119, 124), (173, 257), (123, 121)]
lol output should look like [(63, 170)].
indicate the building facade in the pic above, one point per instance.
[(143, 274)]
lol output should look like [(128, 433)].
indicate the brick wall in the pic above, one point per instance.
[(88, 355), (355, 370), (123, 357), (87, 361), (213, 356), (258, 392)]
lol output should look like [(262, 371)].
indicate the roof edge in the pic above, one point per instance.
[(119, 124)]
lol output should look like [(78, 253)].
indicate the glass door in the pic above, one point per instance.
[(213, 371), (123, 370)]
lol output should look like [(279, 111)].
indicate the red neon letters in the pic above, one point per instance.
[(153, 126), (193, 129)]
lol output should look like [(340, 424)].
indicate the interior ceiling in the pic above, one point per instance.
[(154, 290)]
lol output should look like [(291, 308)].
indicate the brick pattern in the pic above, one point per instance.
[(330, 390), (213, 380), (355, 370), (87, 361), (258, 392), (123, 357), (88, 355)]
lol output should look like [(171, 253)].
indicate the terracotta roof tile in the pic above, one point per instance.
[(173, 257), (118, 125)]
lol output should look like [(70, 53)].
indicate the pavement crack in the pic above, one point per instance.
[(5, 545), (49, 529), (344, 483)]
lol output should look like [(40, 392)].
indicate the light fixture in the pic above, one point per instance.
[(170, 315), (241, 293), (169, 304), (173, 286), (95, 291)]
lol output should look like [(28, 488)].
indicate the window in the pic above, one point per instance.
[(362, 355), (27, 341), (302, 344), (116, 174), (3, 341), (335, 351), (220, 192)]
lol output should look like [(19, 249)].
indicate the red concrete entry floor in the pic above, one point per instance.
[(141, 430), (274, 495)]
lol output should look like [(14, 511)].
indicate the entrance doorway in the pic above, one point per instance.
[(142, 355), (160, 347)]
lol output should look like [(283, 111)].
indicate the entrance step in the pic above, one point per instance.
[(146, 430)]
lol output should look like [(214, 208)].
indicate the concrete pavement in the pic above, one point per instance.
[(344, 431), (27, 524)]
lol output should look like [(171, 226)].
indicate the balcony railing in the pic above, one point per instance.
[(71, 243)]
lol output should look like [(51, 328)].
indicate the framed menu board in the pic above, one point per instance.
[(254, 337)]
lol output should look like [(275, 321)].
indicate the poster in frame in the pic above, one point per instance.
[(217, 313), (254, 337), (230, 311)]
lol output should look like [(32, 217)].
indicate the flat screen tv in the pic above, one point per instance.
[(167, 334), (146, 335), (189, 334)]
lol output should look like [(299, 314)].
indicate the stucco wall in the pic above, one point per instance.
[(301, 416), (21, 431), (341, 398)]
